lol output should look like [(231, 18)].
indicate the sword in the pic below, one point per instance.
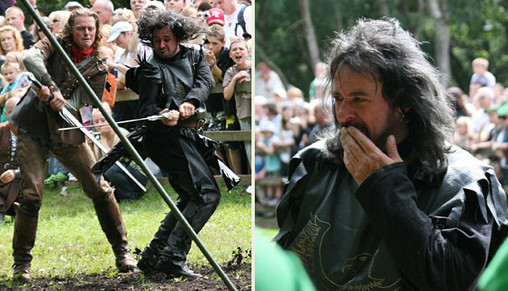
[(164, 115), (69, 118)]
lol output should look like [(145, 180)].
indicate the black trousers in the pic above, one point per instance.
[(182, 154)]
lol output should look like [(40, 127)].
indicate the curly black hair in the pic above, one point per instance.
[(183, 28), (382, 49)]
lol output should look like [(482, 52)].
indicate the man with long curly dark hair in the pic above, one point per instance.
[(387, 202), (38, 120), (177, 81)]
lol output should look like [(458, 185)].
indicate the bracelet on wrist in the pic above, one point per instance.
[(212, 64)]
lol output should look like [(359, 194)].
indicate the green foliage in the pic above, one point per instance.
[(70, 240), (478, 28)]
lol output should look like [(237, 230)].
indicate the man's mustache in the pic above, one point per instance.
[(362, 128)]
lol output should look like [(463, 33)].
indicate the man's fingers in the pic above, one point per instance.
[(348, 164), (391, 149), (363, 141), (186, 111), (351, 147)]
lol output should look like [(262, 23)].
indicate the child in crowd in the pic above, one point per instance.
[(237, 83), (319, 86), (481, 76), (271, 160), (463, 136), (286, 139), (15, 80)]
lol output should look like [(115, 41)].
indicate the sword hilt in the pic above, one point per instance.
[(38, 84)]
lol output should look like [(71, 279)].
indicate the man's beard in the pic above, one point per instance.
[(380, 141)]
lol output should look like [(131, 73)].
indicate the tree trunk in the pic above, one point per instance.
[(383, 8), (414, 22), (442, 38), (338, 17), (310, 34)]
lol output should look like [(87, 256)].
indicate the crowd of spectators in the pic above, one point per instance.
[(289, 120), (481, 126), (226, 47)]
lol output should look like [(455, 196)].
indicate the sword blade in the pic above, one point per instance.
[(148, 118), (68, 117)]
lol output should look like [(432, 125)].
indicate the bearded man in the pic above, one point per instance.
[(387, 202)]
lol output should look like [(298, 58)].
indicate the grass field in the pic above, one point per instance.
[(70, 241)]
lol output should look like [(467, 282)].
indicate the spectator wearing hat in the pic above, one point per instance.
[(126, 102), (154, 5), (214, 16), (279, 95), (175, 5), (73, 5), (259, 108), (104, 9), (271, 160)]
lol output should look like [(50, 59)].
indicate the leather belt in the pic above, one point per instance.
[(194, 123)]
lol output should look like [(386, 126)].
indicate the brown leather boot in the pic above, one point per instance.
[(25, 228), (111, 223)]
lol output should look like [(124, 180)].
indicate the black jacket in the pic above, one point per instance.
[(400, 229)]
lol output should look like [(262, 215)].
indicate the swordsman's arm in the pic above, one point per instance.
[(203, 83), (35, 61)]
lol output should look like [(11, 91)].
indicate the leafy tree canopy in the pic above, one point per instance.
[(478, 29)]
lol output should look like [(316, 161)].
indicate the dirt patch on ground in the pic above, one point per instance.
[(239, 274)]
